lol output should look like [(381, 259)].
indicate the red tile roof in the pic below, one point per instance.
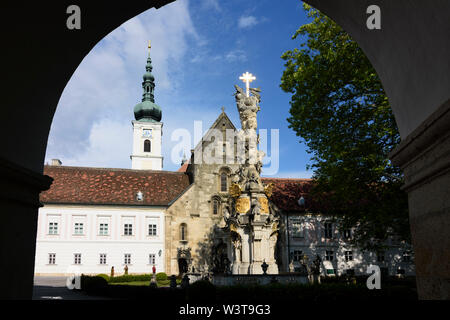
[(286, 192), (85, 185)]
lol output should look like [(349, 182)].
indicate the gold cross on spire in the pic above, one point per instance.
[(149, 45), (247, 78)]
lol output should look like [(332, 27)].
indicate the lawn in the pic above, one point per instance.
[(132, 283), (163, 283)]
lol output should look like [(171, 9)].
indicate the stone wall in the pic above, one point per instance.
[(194, 208)]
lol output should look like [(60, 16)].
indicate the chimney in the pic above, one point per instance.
[(56, 162)]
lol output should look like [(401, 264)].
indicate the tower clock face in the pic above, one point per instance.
[(147, 133)]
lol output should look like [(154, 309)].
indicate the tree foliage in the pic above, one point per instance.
[(340, 110)]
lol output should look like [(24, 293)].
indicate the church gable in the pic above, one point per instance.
[(222, 123)]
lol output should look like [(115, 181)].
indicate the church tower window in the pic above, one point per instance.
[(147, 146)]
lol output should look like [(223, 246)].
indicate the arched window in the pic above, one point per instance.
[(147, 146), (183, 232), (215, 206), (223, 182)]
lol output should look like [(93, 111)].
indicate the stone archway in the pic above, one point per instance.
[(410, 54)]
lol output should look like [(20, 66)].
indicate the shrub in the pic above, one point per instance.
[(202, 290), (130, 278), (161, 276), (93, 283), (104, 276)]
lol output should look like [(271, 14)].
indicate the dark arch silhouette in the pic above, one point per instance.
[(410, 54)]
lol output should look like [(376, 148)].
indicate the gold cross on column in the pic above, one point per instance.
[(247, 78)]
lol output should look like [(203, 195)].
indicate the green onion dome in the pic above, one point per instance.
[(148, 110)]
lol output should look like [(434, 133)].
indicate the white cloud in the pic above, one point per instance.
[(290, 174), (247, 22), (108, 146), (211, 4), (107, 84), (236, 55)]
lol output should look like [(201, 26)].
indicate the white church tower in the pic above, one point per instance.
[(147, 128)]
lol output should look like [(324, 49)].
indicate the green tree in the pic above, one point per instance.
[(340, 110)]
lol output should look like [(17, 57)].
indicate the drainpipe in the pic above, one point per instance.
[(288, 242)]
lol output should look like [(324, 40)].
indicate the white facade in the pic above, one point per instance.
[(147, 139), (95, 238), (313, 235)]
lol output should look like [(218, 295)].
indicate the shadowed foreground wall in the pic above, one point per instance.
[(410, 54)]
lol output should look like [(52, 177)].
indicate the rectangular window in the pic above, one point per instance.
[(297, 230), (328, 228), (329, 255), (348, 255), (79, 228), (128, 229), (297, 255), (102, 258), (151, 258), (380, 256), (347, 234), (53, 228), (103, 229), (77, 258), (152, 229), (350, 272), (406, 256), (52, 258), (127, 258)]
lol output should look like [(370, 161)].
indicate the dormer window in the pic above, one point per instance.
[(139, 196)]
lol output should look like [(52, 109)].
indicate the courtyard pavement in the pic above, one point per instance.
[(54, 288)]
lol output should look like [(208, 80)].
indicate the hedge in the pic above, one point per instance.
[(130, 278), (93, 283)]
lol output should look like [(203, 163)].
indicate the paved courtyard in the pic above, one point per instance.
[(54, 288)]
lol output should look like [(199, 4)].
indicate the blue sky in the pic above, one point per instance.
[(199, 50)]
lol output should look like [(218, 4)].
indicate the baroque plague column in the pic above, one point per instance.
[(251, 223)]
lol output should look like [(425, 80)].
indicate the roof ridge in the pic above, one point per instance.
[(112, 169)]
